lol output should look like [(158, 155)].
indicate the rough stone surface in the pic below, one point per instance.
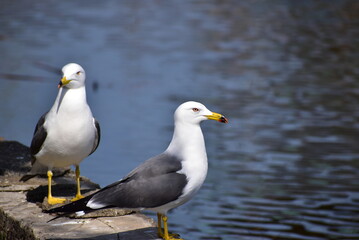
[(21, 206)]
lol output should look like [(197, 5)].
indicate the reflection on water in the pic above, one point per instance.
[(287, 165)]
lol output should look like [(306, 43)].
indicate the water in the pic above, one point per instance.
[(284, 73)]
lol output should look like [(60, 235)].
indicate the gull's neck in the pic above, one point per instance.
[(70, 99), (188, 145), (187, 141)]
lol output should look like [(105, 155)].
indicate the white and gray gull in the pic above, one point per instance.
[(67, 133), (163, 182)]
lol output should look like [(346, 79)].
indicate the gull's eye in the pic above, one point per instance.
[(195, 109), (78, 73)]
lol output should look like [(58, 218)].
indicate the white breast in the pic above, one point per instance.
[(188, 144), (70, 130)]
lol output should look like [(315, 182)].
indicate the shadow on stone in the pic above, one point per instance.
[(38, 194)]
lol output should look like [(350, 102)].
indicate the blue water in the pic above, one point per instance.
[(284, 73)]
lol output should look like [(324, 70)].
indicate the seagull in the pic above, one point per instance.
[(163, 182), (67, 133)]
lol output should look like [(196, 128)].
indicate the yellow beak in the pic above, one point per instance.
[(218, 117), (63, 82)]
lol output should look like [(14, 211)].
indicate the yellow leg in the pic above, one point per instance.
[(50, 199), (78, 192), (165, 234), (159, 225)]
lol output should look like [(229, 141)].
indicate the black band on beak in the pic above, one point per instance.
[(223, 119)]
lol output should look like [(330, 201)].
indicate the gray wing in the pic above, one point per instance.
[(98, 136), (37, 141), (152, 184), (39, 137)]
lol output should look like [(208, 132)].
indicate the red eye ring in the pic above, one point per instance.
[(195, 109)]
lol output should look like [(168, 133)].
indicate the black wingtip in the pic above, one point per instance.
[(76, 206)]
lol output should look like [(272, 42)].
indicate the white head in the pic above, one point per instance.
[(73, 76), (194, 112)]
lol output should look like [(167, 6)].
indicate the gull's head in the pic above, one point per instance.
[(195, 112), (73, 76)]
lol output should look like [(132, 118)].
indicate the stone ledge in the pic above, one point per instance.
[(21, 215)]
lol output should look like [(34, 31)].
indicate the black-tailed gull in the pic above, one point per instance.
[(66, 134), (163, 182)]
